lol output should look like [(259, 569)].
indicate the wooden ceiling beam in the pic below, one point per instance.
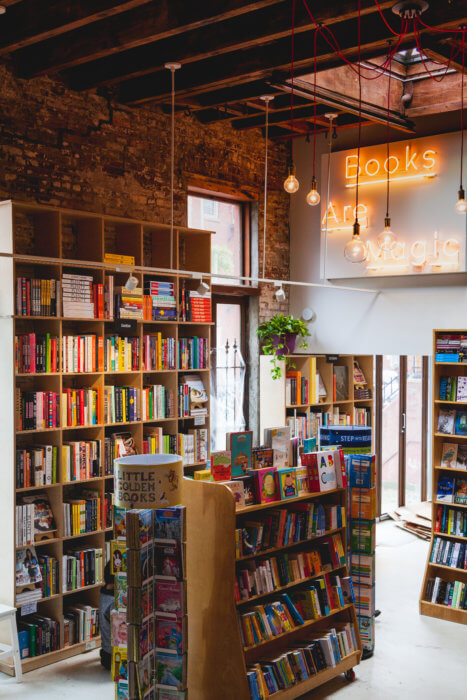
[(236, 34), (33, 21), (441, 52), (279, 117), (145, 24)]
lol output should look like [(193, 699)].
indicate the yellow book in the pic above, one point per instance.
[(121, 355), (159, 351), (124, 393), (313, 392), (202, 475), (263, 689)]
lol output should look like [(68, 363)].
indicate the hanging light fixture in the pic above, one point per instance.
[(172, 67), (387, 238), (355, 250), (313, 197), (461, 204), (291, 183), (266, 99), (279, 293)]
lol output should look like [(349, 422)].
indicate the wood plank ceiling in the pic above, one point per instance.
[(232, 52)]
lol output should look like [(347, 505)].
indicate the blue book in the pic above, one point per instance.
[(361, 471), (294, 614), (23, 640), (445, 491), (461, 423), (253, 683), (447, 357)]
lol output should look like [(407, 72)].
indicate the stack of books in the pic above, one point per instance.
[(200, 307), (128, 303), (160, 302), (451, 347), (79, 297)]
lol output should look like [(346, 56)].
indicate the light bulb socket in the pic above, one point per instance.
[(387, 222), (356, 228), (291, 170), (461, 192), (314, 183)]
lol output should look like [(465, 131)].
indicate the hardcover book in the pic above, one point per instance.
[(117, 556), (279, 440), (248, 488), (266, 485), (287, 482), (168, 560), (221, 465), (171, 670), (240, 445), (449, 455), (43, 516), (170, 523), (170, 598), (461, 422), (139, 527), (118, 630), (262, 457), (446, 420), (461, 459), (301, 474), (460, 492), (238, 491), (121, 597), (170, 635), (445, 490), (119, 522), (461, 389)]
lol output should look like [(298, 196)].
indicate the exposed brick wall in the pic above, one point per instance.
[(80, 151)]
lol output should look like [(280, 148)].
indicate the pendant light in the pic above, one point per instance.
[(387, 238), (355, 250), (291, 183), (172, 67), (461, 204), (313, 197)]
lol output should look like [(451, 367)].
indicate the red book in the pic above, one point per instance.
[(100, 301), (439, 516), (81, 407)]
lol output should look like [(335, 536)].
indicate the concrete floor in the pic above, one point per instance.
[(415, 657)]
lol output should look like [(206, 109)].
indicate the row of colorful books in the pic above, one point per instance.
[(81, 515), (278, 528), (452, 422), (122, 404), (453, 388), (37, 410), (121, 354), (192, 353), (451, 347), (82, 568), (36, 353), (82, 353), (81, 407), (297, 664), (158, 402), (37, 297), (37, 635), (452, 594), (449, 553), (192, 446), (159, 353), (296, 389), (451, 521), (80, 623), (81, 460), (194, 307), (451, 490), (36, 466), (454, 456)]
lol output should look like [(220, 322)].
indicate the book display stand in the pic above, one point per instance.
[(444, 588), (45, 243)]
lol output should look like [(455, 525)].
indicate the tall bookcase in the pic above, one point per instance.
[(45, 242), (274, 408), (217, 660), (433, 570)]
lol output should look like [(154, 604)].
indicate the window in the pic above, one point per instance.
[(229, 247)]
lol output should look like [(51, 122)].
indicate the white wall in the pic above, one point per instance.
[(398, 320)]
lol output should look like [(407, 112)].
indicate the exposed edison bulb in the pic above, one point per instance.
[(461, 204), (313, 197), (291, 183), (386, 238), (355, 250)]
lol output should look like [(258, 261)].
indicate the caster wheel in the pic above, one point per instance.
[(350, 675)]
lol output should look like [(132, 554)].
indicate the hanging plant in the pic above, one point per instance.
[(279, 336)]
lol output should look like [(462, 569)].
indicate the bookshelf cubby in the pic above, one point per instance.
[(44, 243), (433, 570), (275, 408), (217, 662)]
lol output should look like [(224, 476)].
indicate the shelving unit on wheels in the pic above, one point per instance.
[(217, 662), (44, 243), (433, 570)]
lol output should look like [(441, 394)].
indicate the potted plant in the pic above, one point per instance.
[(279, 336)]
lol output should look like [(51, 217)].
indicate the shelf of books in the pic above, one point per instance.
[(444, 590), (106, 354), (316, 390), (274, 611)]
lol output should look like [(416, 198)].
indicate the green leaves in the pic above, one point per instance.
[(273, 334)]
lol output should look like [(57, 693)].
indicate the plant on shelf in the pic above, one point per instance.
[(279, 336)]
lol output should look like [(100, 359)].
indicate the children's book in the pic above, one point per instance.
[(120, 522), (461, 394), (248, 488), (449, 454), (460, 492), (121, 690), (221, 465), (322, 470), (461, 422), (145, 673), (171, 670), (302, 480), (170, 635), (445, 490), (27, 567), (43, 516), (117, 556), (279, 440), (119, 664), (362, 471), (168, 560), (118, 631), (170, 599), (446, 421), (139, 527), (121, 597), (238, 491), (461, 459), (240, 446), (287, 482), (267, 487), (170, 523), (262, 457)]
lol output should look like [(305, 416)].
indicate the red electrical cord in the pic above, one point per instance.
[(420, 50), (385, 20), (359, 109), (441, 31), (314, 110), (462, 105), (387, 144), (292, 79)]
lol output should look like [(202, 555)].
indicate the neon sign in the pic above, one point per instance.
[(344, 222), (413, 165), (420, 256)]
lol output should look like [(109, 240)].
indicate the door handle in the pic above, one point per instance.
[(403, 423)]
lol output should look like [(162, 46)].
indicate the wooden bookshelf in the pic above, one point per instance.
[(432, 570), (274, 405), (214, 638), (44, 242)]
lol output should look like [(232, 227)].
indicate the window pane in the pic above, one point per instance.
[(228, 382), (225, 219), (390, 437), (413, 470)]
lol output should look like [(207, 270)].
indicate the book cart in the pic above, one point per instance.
[(444, 572), (45, 242), (217, 660)]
